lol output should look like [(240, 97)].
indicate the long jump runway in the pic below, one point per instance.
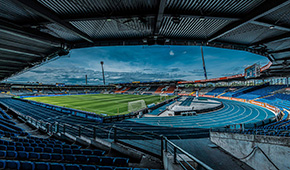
[(233, 112)]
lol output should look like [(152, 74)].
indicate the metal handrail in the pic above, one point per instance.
[(185, 153)]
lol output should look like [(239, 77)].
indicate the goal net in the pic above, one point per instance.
[(136, 105), (163, 97)]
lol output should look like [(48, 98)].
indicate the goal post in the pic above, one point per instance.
[(136, 105), (163, 97)]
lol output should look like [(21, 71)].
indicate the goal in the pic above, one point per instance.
[(136, 105), (163, 97)]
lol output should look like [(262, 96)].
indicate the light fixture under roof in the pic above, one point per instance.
[(201, 18), (272, 27)]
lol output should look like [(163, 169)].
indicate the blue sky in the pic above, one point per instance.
[(140, 63)]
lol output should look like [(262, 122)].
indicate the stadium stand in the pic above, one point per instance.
[(170, 89), (159, 89), (52, 116), (20, 150), (159, 110), (217, 91), (264, 91)]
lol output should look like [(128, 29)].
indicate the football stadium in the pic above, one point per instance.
[(209, 112)]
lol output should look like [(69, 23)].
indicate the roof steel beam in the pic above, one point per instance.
[(5, 71), (162, 4), (12, 68), (272, 26), (18, 51), (274, 39), (79, 18), (12, 61), (280, 51), (284, 58), (51, 16), (267, 7), (31, 34)]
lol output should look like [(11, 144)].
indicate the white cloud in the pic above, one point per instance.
[(171, 53)]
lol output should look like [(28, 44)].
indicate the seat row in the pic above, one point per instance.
[(37, 141), (11, 134), (43, 139), (52, 150), (84, 159), (25, 165)]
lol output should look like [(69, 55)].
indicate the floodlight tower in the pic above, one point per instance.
[(102, 64), (203, 63)]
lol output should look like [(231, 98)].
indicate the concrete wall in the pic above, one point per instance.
[(168, 162), (240, 145)]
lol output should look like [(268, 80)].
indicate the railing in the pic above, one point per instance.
[(180, 154), (147, 142)]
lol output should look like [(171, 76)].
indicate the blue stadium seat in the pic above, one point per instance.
[(3, 147), (34, 144), (3, 164), (11, 154), (98, 152), (11, 148), (26, 144), (20, 148), (72, 167), (46, 156), (42, 145), (108, 160), (12, 164), (57, 146), (29, 149), (38, 149), (94, 159), (87, 152), (34, 155), (121, 161), (67, 151), (18, 143), (50, 145), (48, 150), (65, 146), (42, 166), (57, 166), (75, 146), (2, 154), (23, 155), (105, 168), (57, 150), (77, 151), (81, 158), (57, 157), (27, 165), (88, 167), (123, 168), (2, 142), (68, 157)]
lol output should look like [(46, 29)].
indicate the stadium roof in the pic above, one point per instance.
[(36, 31)]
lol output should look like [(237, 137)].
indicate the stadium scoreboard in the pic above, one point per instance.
[(252, 71)]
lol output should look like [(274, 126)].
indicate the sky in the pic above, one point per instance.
[(140, 63)]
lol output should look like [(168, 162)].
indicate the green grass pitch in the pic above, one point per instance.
[(110, 104)]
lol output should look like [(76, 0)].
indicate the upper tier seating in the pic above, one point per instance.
[(261, 92), (217, 91)]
